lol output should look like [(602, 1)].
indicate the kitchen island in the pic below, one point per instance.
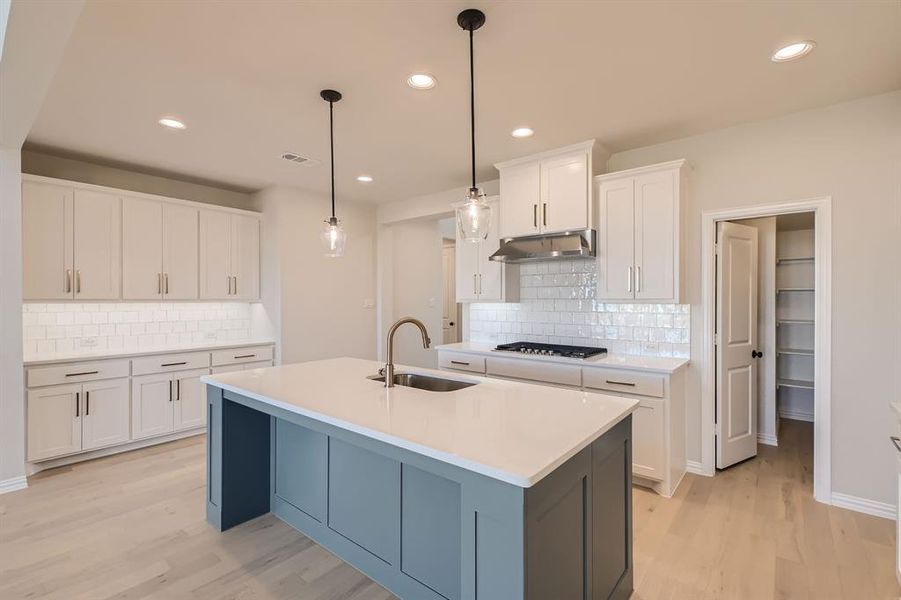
[(498, 490)]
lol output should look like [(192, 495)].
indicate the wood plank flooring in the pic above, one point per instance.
[(132, 526)]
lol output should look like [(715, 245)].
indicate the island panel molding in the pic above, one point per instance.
[(477, 536)]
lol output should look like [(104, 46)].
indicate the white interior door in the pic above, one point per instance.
[(736, 326), (245, 257), (142, 249), (54, 421), (654, 235), (180, 252), (449, 304), (190, 400), (106, 410), (564, 193), (215, 255), (616, 240), (98, 251), (151, 405), (47, 261)]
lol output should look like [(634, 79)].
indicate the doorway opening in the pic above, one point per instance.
[(451, 315), (767, 333)]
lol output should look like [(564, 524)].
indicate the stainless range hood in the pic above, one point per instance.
[(551, 246)]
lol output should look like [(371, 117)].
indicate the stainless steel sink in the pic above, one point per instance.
[(424, 382)]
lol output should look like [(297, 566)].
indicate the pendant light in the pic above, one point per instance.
[(333, 235), (474, 214)]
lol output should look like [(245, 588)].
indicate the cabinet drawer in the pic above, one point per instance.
[(644, 384), (165, 363), (534, 371), (461, 362), (233, 356), (76, 372)]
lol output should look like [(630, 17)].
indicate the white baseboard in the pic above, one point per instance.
[(693, 466), (796, 415), (767, 438), (13, 484), (863, 505)]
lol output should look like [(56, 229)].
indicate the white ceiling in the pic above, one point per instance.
[(246, 76)]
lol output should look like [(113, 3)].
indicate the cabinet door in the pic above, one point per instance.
[(106, 409), (466, 266), (491, 274), (151, 405), (54, 421), (47, 261), (98, 256), (655, 227), (520, 199), (180, 253), (245, 259), (215, 255), (616, 250), (142, 249), (564, 193), (190, 399), (648, 439)]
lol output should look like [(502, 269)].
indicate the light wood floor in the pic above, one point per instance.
[(132, 526)]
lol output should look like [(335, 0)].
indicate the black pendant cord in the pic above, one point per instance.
[(472, 106), (331, 126)]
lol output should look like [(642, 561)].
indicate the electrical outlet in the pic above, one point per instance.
[(87, 342), (210, 336), (368, 303)]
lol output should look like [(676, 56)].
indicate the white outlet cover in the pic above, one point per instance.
[(368, 303)]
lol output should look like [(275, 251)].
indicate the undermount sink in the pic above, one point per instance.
[(424, 382)]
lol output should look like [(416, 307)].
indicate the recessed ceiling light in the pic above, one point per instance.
[(364, 179), (172, 123), (793, 51), (521, 132), (421, 81)]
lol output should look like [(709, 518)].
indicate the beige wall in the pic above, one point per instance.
[(316, 304), (851, 152), (48, 165)]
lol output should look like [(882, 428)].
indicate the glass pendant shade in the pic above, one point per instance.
[(474, 217), (333, 238)]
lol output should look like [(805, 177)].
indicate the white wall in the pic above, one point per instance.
[(767, 425), (851, 152), (316, 303)]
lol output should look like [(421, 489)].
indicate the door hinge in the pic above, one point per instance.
[(716, 339)]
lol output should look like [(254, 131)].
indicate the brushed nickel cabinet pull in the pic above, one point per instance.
[(228, 280), (82, 373), (78, 281), (544, 214), (236, 284), (474, 291), (166, 282), (77, 407), (87, 404), (620, 383), (68, 281), (459, 362), (480, 284), (175, 364), (638, 279), (246, 356), (629, 274), (159, 283)]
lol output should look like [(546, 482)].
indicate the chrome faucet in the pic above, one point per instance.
[(389, 366)]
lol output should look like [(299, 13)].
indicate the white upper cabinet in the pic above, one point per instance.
[(546, 193), (48, 262), (229, 256), (479, 279), (638, 233), (83, 242)]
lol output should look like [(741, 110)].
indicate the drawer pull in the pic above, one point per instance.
[(896, 441), (459, 362), (175, 364), (620, 383), (82, 373), (246, 356)]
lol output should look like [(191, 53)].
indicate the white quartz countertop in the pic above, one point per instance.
[(46, 359), (510, 431), (658, 364)]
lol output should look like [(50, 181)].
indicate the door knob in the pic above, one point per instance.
[(756, 354), (451, 323)]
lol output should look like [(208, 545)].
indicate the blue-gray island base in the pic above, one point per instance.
[(423, 528)]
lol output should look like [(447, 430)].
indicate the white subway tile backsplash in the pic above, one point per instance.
[(558, 305), (72, 328)]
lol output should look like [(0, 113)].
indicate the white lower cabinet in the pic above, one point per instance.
[(167, 402), (105, 419), (648, 440), (190, 400)]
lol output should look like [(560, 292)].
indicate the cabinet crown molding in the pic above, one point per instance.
[(581, 146), (664, 166)]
